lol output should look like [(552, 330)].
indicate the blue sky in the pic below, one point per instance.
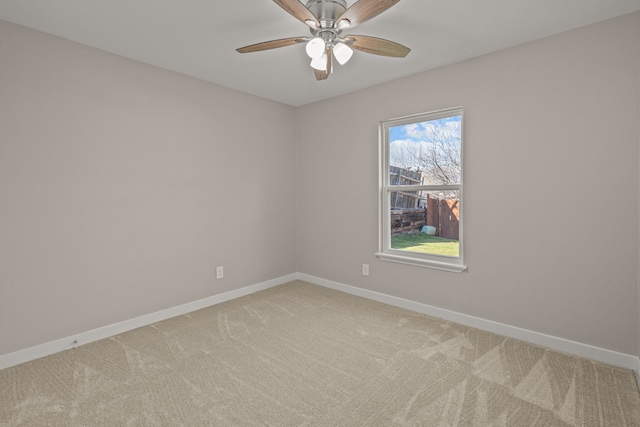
[(416, 132), (414, 136)]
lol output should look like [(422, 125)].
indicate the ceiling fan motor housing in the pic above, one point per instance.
[(327, 11)]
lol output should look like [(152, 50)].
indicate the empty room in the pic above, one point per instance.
[(319, 213)]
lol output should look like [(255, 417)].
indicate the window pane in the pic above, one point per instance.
[(426, 152), (421, 167), (425, 222)]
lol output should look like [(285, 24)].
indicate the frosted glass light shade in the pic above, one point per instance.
[(315, 47), (320, 63), (342, 52)]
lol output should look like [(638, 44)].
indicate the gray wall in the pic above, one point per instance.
[(122, 186), (551, 130)]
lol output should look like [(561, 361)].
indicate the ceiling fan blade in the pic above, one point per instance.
[(299, 11), (321, 75), (378, 46), (272, 44), (363, 10)]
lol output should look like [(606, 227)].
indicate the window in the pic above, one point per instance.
[(421, 190)]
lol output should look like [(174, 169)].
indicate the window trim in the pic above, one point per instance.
[(385, 253)]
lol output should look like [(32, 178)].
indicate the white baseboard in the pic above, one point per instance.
[(585, 350), (36, 352), (560, 344)]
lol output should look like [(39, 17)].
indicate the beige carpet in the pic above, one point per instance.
[(303, 355)]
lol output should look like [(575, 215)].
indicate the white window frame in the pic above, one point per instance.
[(453, 264)]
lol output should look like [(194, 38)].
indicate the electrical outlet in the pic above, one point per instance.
[(365, 269), (219, 272)]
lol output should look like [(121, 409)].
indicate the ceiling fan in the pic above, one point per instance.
[(327, 19)]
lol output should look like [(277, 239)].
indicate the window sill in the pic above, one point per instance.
[(419, 262)]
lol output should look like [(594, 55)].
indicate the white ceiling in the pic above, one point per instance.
[(199, 37)]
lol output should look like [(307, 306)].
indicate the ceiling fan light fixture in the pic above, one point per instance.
[(311, 24), (342, 52), (315, 47), (343, 24), (320, 63)]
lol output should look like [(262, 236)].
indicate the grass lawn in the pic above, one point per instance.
[(423, 243)]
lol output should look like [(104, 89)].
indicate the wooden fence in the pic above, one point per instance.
[(411, 210), (443, 214), (404, 199)]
